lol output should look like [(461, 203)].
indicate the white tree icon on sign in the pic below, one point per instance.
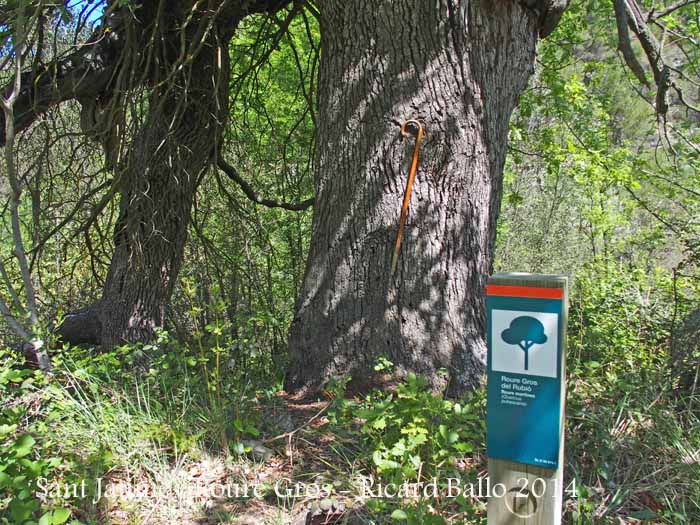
[(524, 342)]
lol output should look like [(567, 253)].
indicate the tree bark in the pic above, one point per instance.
[(82, 75), (176, 144), (158, 178), (177, 52), (459, 67)]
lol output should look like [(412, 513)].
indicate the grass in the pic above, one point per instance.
[(168, 434), (633, 457)]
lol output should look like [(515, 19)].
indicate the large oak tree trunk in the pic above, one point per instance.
[(459, 67)]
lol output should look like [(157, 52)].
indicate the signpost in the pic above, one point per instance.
[(526, 336)]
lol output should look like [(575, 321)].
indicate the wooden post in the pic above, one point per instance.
[(527, 316)]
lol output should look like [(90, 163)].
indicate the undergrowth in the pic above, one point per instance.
[(149, 413)]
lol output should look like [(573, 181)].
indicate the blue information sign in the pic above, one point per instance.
[(524, 393)]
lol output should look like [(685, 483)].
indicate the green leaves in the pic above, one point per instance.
[(449, 437), (245, 428), (399, 515), (411, 436), (12, 375), (382, 463), (379, 423), (23, 446), (55, 517), (413, 430)]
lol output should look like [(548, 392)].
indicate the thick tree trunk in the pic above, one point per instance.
[(459, 67), (177, 51), (176, 144), (158, 178)]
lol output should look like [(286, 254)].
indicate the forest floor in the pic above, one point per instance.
[(160, 448), (278, 482)]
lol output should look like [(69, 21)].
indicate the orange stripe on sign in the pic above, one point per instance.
[(524, 291)]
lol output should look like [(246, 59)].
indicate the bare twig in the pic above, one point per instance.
[(233, 174), (16, 189), (655, 15), (306, 424)]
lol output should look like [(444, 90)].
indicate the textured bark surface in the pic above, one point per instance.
[(178, 52), (459, 67), (158, 177), (159, 171), (548, 13), (175, 145)]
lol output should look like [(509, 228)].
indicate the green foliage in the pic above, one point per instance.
[(412, 435), (593, 190), (25, 449), (629, 442), (413, 430), (592, 174), (143, 406), (246, 261)]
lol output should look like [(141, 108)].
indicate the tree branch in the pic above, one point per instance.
[(12, 322), (69, 217), (8, 110), (624, 45), (88, 72), (84, 74), (683, 100), (650, 45), (232, 173), (548, 12), (652, 49), (655, 15)]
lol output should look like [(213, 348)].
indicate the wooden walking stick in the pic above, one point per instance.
[(409, 188)]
